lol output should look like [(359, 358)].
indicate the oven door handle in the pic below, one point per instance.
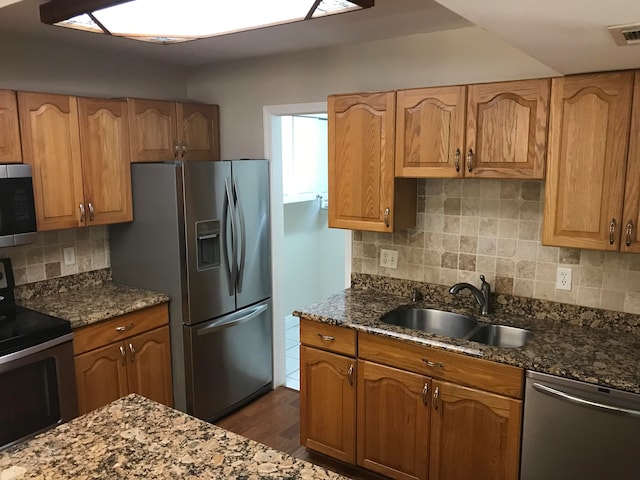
[(584, 402), (11, 357)]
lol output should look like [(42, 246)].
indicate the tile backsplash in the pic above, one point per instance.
[(43, 259), (493, 227)]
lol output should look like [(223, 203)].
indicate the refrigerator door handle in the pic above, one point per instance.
[(242, 238), (231, 321), (227, 215)]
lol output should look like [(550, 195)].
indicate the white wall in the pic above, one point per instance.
[(242, 88), (32, 65)]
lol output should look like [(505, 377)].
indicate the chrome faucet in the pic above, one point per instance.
[(482, 295)]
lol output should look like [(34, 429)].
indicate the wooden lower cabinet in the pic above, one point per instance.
[(393, 421), (127, 354), (328, 403)]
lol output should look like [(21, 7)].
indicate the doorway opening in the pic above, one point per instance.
[(310, 260)]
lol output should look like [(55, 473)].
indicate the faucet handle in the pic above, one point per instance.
[(416, 295)]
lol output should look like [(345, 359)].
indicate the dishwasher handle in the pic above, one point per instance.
[(584, 402), (231, 321)]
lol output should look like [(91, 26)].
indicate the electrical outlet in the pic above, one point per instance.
[(69, 256), (388, 258), (563, 278)]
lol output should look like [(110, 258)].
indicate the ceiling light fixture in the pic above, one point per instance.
[(171, 21)]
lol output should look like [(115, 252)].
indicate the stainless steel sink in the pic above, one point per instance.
[(455, 325), (500, 336), (432, 321)]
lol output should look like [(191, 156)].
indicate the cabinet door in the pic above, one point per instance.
[(199, 131), (9, 128), (631, 218), (101, 376), (328, 403), (153, 130), (51, 145), (393, 421), (430, 132), (362, 191), (588, 137), (104, 141), (507, 129), (149, 365), (474, 434)]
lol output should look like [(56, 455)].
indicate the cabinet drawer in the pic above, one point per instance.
[(117, 329), (436, 363), (328, 337)]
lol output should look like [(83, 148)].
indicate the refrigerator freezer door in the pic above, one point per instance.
[(231, 360), (251, 194)]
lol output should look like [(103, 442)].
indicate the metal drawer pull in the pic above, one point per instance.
[(457, 163), (82, 212), (433, 364), (326, 338), (583, 401), (350, 374), (90, 205), (133, 353), (436, 394), (124, 354), (425, 394), (386, 217), (612, 231), (470, 160), (629, 233), (124, 329)]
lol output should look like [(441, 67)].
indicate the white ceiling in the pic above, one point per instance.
[(569, 36), (387, 19)]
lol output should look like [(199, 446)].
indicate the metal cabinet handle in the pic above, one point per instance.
[(436, 394), (350, 374), (470, 160), (433, 364), (612, 231), (176, 149), (184, 150), (386, 217), (457, 161), (326, 338), (124, 355), (83, 215), (90, 205), (629, 233), (425, 394), (133, 353), (124, 328)]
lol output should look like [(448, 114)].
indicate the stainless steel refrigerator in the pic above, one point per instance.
[(201, 234)]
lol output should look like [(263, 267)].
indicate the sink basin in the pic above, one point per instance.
[(432, 321), (500, 336), (455, 325)]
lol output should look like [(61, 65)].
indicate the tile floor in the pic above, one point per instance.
[(292, 352)]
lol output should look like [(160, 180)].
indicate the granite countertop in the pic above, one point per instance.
[(604, 357), (134, 437), (84, 306)]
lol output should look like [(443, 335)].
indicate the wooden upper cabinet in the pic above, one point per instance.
[(162, 131), (507, 129), (104, 145), (51, 145), (363, 194), (10, 151), (631, 216), (474, 434), (430, 132), (587, 157), (199, 131)]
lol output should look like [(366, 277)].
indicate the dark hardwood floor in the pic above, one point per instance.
[(274, 419)]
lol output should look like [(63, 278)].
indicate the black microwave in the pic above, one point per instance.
[(17, 206)]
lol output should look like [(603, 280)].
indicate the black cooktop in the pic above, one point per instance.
[(26, 328)]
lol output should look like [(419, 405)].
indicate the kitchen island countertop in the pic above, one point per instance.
[(134, 437)]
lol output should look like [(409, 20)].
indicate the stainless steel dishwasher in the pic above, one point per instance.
[(578, 431)]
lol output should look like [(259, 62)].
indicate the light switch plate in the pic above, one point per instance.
[(388, 258)]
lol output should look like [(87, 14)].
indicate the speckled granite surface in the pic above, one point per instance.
[(136, 438), (87, 305), (605, 357)]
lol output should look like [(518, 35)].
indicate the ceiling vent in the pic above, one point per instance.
[(626, 34)]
